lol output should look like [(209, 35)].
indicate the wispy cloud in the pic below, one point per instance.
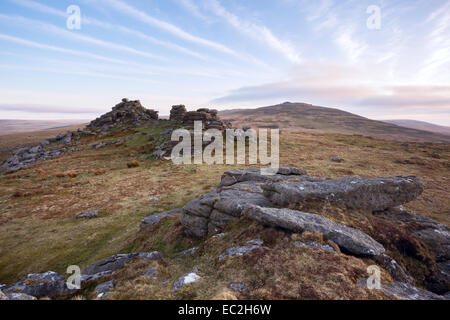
[(38, 45), (39, 7), (438, 42), (123, 7), (77, 73), (31, 23), (256, 31), (194, 9), (109, 26)]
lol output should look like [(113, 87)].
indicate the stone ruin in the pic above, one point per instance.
[(177, 113), (126, 112), (209, 117)]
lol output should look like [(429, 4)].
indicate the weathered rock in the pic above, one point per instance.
[(85, 278), (20, 296), (406, 291), (235, 176), (48, 284), (47, 289), (177, 113), (3, 296), (154, 255), (126, 113), (184, 280), (154, 218), (394, 269), (437, 239), (354, 192), (150, 273), (212, 212), (88, 214), (189, 252), (195, 226), (238, 251), (48, 276), (314, 245), (103, 288), (239, 287), (349, 239), (118, 261), (256, 242)]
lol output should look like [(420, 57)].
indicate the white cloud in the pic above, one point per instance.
[(438, 43), (40, 7), (190, 6), (258, 32), (345, 38), (58, 49), (146, 18), (105, 25), (76, 36)]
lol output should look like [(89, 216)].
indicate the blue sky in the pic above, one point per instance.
[(225, 54)]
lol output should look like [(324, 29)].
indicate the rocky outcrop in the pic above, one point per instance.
[(209, 117), (348, 239), (386, 230), (232, 177), (118, 261), (354, 192), (48, 284), (104, 289), (20, 296), (238, 190), (126, 113), (177, 113), (154, 218), (26, 156), (404, 291), (88, 214), (242, 250)]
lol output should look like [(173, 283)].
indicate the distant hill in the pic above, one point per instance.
[(421, 125), (307, 117), (19, 126)]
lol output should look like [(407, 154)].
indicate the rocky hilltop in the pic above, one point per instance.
[(371, 221), (127, 112), (340, 206), (126, 115)]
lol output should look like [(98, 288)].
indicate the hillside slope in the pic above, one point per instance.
[(420, 125), (307, 117)]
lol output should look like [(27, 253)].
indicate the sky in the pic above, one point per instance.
[(379, 59)]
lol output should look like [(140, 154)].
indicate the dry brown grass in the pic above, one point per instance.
[(38, 209)]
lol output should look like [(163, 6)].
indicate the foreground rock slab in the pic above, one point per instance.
[(354, 192), (349, 239), (238, 189)]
